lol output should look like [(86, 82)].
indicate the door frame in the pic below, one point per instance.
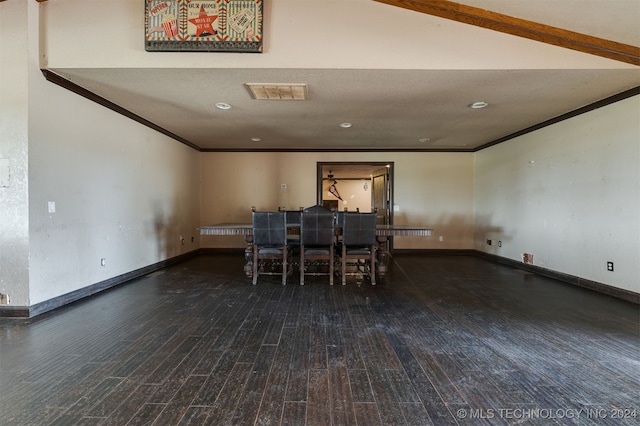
[(321, 168)]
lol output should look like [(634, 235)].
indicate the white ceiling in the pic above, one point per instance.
[(390, 109)]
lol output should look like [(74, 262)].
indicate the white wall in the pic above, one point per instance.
[(569, 194), (14, 148), (431, 189), (354, 196), (385, 39), (123, 192)]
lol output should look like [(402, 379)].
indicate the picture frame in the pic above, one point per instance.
[(203, 25)]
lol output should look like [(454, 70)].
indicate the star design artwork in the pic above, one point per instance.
[(204, 23)]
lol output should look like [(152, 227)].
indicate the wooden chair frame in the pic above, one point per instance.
[(358, 244), (317, 240), (270, 244)]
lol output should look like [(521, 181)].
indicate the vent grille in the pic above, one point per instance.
[(284, 92)]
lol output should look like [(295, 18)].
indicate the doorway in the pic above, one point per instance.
[(362, 186)]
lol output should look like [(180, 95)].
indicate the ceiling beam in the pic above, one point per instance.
[(522, 28)]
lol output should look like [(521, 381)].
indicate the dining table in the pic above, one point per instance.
[(383, 233)]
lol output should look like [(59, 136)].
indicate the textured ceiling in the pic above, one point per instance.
[(389, 109)]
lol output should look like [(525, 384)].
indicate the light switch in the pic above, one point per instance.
[(52, 206)]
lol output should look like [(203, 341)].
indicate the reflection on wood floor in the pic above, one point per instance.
[(441, 340)]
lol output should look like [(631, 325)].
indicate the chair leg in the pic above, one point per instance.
[(285, 265), (255, 265), (301, 265), (344, 265), (372, 267), (331, 265)]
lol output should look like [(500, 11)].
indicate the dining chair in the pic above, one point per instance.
[(270, 256), (317, 239), (358, 245)]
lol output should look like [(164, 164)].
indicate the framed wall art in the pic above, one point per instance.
[(203, 26)]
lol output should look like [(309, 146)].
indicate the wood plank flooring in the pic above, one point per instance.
[(442, 340)]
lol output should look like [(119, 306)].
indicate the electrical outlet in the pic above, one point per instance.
[(103, 262), (499, 243), (610, 266)]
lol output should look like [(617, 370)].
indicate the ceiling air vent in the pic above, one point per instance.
[(280, 91)]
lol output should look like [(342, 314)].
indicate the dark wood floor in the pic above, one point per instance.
[(442, 340)]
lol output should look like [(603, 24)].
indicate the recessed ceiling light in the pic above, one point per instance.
[(423, 140), (345, 125), (222, 105), (478, 105), (256, 139)]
